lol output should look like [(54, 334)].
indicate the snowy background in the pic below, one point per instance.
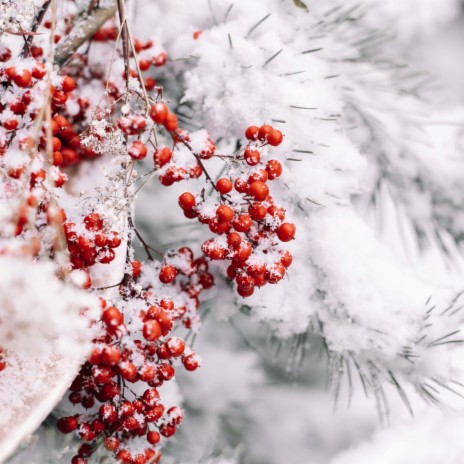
[(344, 362)]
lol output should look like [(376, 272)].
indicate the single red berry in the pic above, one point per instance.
[(275, 137), (110, 355), (166, 371), (264, 131), (137, 150), (245, 291), (144, 64), (112, 317), (224, 213), (252, 132), (257, 211), (93, 222), (286, 232), (286, 258), (159, 113), (153, 414), (273, 169), (252, 157), (224, 185), (191, 362), (171, 123), (128, 371), (207, 280), (23, 78), (258, 190), (176, 346), (151, 397), (111, 443), (136, 268), (167, 274), (153, 437), (167, 430), (187, 201), (240, 185), (242, 223), (78, 460), (68, 84), (233, 239), (275, 273), (151, 330), (67, 424)]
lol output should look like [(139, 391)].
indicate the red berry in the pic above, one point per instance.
[(264, 132), (151, 330), (245, 291), (166, 371), (93, 222), (111, 443), (105, 255), (240, 185), (144, 64), (153, 437), (110, 355), (233, 239), (276, 273), (252, 132), (113, 240), (286, 258), (275, 137), (67, 424), (167, 274), (224, 213), (171, 123), (242, 223), (10, 124), (159, 113), (167, 430), (191, 362), (252, 157), (224, 185), (128, 371), (137, 150), (68, 84), (151, 397), (273, 169), (112, 317), (23, 78), (286, 232), (153, 414), (136, 268), (187, 201), (258, 190), (176, 346), (257, 211), (78, 460)]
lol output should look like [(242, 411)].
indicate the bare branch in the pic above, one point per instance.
[(84, 29)]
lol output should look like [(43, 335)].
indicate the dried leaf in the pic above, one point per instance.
[(301, 4)]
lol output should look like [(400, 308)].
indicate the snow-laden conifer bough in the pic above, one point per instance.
[(280, 127)]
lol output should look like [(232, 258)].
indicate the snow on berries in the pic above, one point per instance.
[(133, 355), (249, 224)]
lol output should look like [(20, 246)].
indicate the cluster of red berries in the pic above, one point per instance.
[(133, 356), (249, 223), (92, 243), (24, 86), (181, 262), (147, 56)]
